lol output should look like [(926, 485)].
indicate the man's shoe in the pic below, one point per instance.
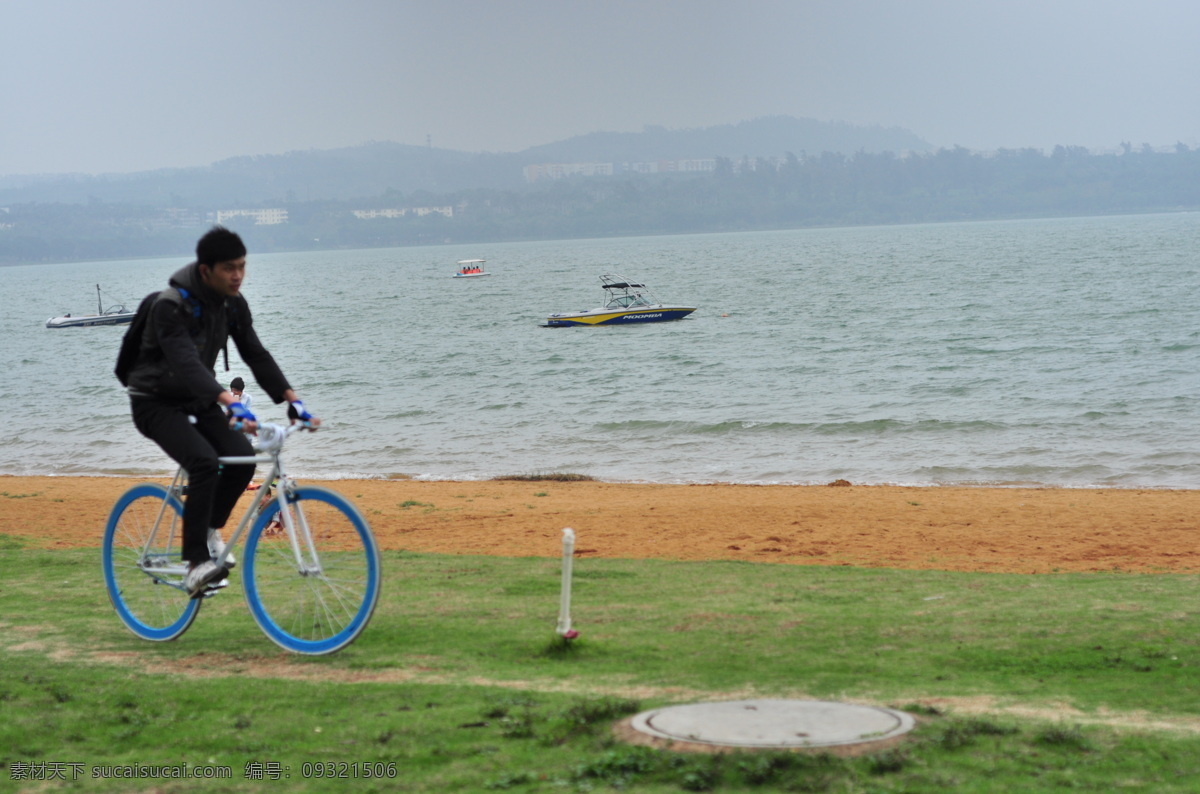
[(200, 576), (216, 547)]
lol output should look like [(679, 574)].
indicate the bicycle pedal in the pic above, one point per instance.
[(212, 588)]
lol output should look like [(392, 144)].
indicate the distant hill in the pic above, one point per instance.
[(765, 137), (374, 169), (334, 174)]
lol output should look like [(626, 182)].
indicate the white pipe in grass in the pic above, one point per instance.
[(564, 606)]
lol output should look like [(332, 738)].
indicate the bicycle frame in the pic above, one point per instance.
[(270, 444)]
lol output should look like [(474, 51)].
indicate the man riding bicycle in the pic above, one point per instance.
[(177, 402)]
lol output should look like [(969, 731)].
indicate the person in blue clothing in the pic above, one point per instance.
[(177, 402)]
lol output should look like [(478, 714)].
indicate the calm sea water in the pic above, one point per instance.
[(1061, 352)]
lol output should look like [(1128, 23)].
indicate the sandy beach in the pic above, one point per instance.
[(1013, 530)]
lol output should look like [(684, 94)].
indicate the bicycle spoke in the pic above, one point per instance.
[(339, 617), (346, 596)]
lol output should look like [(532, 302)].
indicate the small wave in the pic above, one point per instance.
[(881, 426), (1018, 475), (864, 427), (406, 414), (1103, 414), (341, 384)]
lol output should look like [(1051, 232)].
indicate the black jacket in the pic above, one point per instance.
[(183, 338)]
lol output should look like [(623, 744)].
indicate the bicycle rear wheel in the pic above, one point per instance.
[(323, 602), (144, 582)]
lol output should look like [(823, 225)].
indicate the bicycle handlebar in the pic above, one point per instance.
[(267, 442), (270, 437)]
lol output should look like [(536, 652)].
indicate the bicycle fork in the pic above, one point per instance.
[(299, 533)]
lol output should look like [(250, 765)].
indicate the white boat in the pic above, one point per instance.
[(471, 268), (116, 314), (625, 302)]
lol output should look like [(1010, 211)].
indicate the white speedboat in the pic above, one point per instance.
[(471, 268), (116, 314), (625, 302)]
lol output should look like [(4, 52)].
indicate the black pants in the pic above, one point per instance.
[(213, 489)]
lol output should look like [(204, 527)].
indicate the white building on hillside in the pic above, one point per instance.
[(397, 212), (271, 217), (563, 170)]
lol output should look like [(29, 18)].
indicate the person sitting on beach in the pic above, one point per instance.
[(177, 402), (238, 387)]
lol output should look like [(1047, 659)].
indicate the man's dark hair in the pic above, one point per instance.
[(219, 245)]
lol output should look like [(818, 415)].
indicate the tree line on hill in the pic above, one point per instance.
[(798, 191)]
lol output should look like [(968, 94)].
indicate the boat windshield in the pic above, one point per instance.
[(621, 293), (627, 301)]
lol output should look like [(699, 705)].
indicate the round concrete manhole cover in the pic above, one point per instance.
[(779, 724)]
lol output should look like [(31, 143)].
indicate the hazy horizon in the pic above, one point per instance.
[(136, 85)]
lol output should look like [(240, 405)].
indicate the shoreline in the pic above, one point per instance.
[(161, 476), (949, 528)]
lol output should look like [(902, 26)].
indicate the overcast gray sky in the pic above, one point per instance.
[(100, 86)]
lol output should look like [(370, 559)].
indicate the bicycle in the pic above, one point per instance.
[(306, 599)]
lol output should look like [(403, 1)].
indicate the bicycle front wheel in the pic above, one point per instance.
[(312, 597), (143, 564)]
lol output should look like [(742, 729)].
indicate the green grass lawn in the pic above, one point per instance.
[(1019, 683)]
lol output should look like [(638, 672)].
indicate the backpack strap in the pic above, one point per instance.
[(189, 297), (231, 325)]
